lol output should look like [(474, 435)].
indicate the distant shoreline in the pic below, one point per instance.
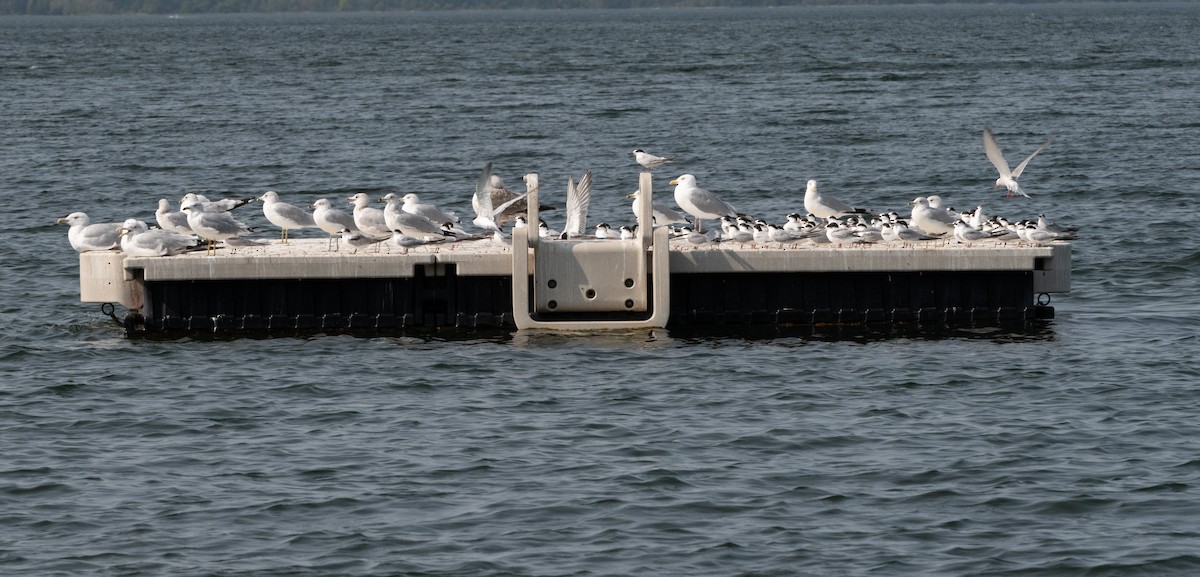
[(197, 7)]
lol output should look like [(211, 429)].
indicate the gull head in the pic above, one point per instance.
[(269, 196), (686, 180), (74, 218)]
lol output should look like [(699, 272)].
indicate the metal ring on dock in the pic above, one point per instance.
[(110, 310)]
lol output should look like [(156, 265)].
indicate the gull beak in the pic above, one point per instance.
[(674, 181), (634, 195), (61, 220)]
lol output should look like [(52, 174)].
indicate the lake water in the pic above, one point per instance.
[(1066, 449)]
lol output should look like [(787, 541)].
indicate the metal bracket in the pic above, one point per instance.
[(592, 284)]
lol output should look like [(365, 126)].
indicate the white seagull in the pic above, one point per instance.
[(698, 202), (212, 226), (332, 220), (223, 205), (662, 214), (283, 215), (369, 220), (408, 224), (138, 240), (413, 205), (1008, 178), (935, 221), (824, 206), (172, 220), (86, 236)]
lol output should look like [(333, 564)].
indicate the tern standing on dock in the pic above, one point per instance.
[(650, 161)]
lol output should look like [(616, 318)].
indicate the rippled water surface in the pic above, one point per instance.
[(1064, 449)]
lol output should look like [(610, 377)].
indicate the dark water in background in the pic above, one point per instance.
[(1066, 450)]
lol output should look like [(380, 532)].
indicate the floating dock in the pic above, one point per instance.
[(650, 281)]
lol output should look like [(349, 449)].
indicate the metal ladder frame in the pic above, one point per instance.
[(649, 241)]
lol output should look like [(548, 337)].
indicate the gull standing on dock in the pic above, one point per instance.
[(934, 221), (172, 220), (650, 161), (223, 205), (411, 225), (1007, 178), (285, 216), (824, 206), (369, 220), (662, 214), (212, 226), (413, 205), (86, 236), (332, 220), (138, 240), (698, 202)]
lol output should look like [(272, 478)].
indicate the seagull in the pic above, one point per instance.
[(698, 202), (823, 206), (86, 236), (223, 205), (212, 226), (283, 215), (662, 214), (650, 161), (411, 225), (369, 220), (578, 198), (933, 221), (413, 205), (495, 205), (138, 240), (172, 220), (1007, 178), (332, 220)]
